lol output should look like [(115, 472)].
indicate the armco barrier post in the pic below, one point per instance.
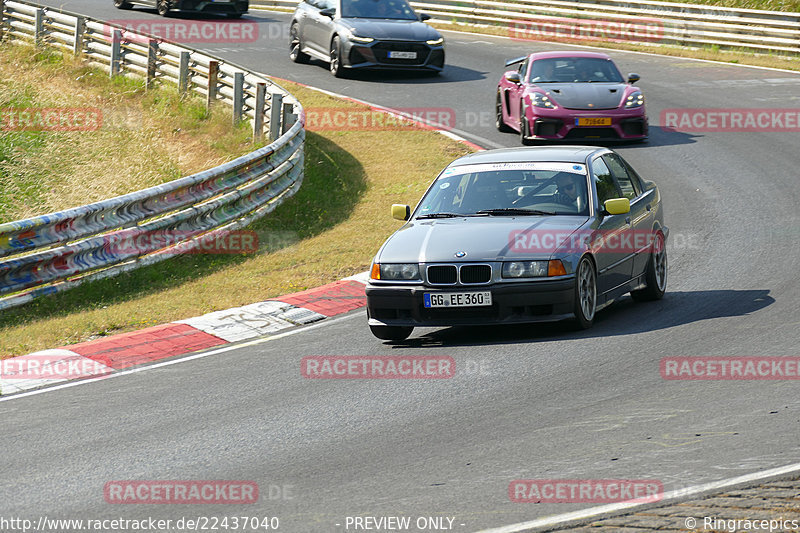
[(80, 32), (213, 77), (38, 26), (238, 97), (183, 73), (276, 108), (289, 117), (258, 120), (152, 61), (2, 18), (116, 51)]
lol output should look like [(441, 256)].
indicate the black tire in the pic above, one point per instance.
[(295, 44), (656, 273), (498, 116), (585, 305), (336, 59), (162, 6), (391, 333), (523, 128), (122, 4)]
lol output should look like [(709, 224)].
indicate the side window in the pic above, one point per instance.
[(626, 184), (604, 183), (523, 68)]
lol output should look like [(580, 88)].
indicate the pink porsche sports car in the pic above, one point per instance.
[(570, 95)]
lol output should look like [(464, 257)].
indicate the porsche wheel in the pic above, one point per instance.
[(391, 333), (656, 274), (585, 294), (523, 128), (498, 120)]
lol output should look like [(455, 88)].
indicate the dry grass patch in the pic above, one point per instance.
[(146, 137)]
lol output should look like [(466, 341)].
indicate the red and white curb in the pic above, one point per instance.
[(118, 352)]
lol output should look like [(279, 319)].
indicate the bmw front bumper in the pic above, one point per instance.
[(512, 303)]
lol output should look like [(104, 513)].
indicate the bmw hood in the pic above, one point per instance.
[(395, 30), (581, 95), (481, 238)]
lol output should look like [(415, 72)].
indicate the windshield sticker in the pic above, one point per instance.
[(493, 167), (444, 185)]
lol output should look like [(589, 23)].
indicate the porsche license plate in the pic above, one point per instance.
[(593, 121), (457, 299), (402, 55)]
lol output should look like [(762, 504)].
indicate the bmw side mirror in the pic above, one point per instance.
[(401, 211), (513, 77), (329, 12), (424, 16), (617, 206), (633, 78)]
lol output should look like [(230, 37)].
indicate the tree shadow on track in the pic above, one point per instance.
[(624, 317), (334, 183)]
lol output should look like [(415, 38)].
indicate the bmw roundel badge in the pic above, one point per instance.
[(461, 254)]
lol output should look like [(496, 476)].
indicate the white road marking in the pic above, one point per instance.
[(182, 359), (593, 512)]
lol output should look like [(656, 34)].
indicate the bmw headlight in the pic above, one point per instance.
[(542, 100), (361, 40), (525, 269), (435, 42), (634, 100), (398, 271)]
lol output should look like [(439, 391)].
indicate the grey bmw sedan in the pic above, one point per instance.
[(521, 235)]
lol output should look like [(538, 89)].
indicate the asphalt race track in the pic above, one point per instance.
[(535, 402)]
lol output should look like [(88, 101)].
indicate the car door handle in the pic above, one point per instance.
[(648, 207)]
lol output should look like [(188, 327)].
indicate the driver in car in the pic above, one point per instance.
[(567, 190)]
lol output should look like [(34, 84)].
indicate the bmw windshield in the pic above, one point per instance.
[(378, 9), (508, 189)]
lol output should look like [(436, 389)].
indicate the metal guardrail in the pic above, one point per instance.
[(58, 251), (673, 23)]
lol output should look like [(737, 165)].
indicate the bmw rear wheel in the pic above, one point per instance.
[(163, 7), (656, 274), (585, 293), (498, 121), (391, 333), (295, 45)]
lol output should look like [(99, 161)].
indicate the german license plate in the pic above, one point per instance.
[(593, 121), (402, 55), (457, 299)]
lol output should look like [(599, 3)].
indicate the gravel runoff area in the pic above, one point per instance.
[(770, 507)]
